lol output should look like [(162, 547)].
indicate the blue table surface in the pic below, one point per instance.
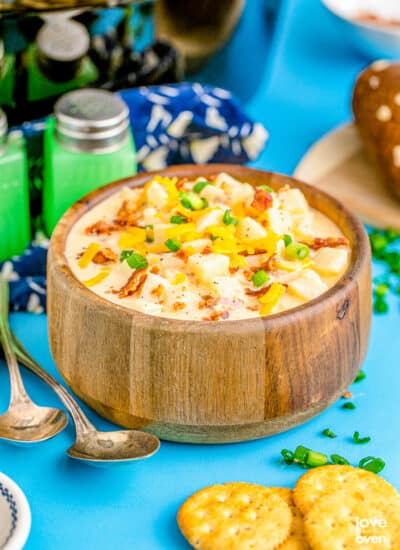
[(295, 77)]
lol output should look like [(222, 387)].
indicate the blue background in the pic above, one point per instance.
[(295, 76)]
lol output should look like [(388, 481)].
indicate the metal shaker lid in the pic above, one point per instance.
[(91, 120), (63, 40), (3, 129)]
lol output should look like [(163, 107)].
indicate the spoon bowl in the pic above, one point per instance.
[(105, 448), (29, 423)]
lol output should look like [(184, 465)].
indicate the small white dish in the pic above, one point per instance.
[(378, 38), (15, 515)]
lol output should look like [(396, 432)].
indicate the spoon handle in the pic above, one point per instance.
[(81, 421), (18, 393), (14, 350)]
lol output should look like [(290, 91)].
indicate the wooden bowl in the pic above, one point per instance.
[(210, 382)]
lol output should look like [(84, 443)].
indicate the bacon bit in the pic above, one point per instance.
[(207, 300), (233, 270), (133, 284), (252, 308), (261, 291), (269, 265), (331, 242), (181, 254), (262, 200), (128, 213), (207, 250), (256, 251), (101, 228), (178, 305), (105, 256), (157, 291), (181, 182), (347, 395), (216, 316), (257, 293), (155, 269), (248, 273)]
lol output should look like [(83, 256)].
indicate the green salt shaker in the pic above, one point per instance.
[(14, 203), (88, 143), (58, 61)]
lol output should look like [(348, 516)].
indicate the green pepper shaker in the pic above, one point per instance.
[(87, 144), (14, 204)]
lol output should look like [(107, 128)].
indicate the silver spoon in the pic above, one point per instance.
[(23, 422), (91, 446)]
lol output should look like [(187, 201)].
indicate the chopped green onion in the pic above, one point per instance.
[(315, 459), (360, 376), (337, 459), (228, 219), (300, 454), (380, 305), (381, 290), (287, 239), (136, 261), (372, 464), (191, 201), (392, 235), (296, 251), (125, 254), (259, 278), (173, 244), (213, 237), (360, 440), (149, 233), (349, 406), (266, 188), (329, 433), (199, 186), (288, 456), (178, 219)]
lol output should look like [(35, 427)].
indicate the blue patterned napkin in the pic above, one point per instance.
[(174, 124)]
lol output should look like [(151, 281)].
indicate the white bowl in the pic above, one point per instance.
[(375, 39), (15, 515)]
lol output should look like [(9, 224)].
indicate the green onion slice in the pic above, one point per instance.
[(260, 277), (173, 244), (360, 440), (199, 186), (297, 251)]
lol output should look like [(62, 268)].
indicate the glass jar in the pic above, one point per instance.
[(87, 144), (14, 205)]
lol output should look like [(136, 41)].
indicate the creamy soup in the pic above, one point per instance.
[(207, 249)]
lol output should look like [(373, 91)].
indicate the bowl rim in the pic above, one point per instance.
[(377, 27), (335, 295)]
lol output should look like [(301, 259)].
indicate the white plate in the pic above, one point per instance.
[(15, 515), (338, 164), (375, 39)]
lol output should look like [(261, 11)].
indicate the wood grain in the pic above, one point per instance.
[(339, 164), (209, 381)]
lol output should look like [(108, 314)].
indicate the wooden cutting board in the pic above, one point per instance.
[(338, 164)]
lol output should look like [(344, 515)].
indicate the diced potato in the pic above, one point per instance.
[(294, 202), (331, 261), (249, 229), (227, 182), (307, 285), (227, 287), (196, 246), (150, 215), (279, 220), (207, 267), (212, 193), (245, 193), (159, 232), (304, 226), (213, 217), (157, 195)]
